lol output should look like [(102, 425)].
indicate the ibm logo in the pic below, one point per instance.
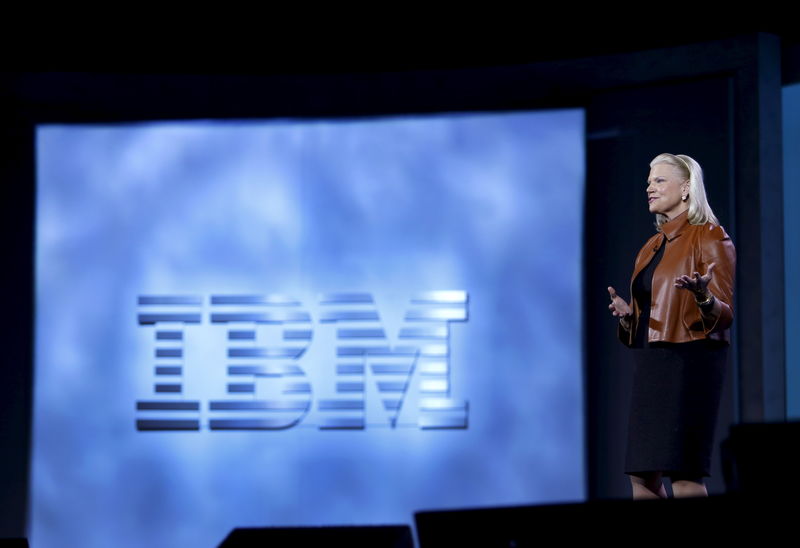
[(270, 384)]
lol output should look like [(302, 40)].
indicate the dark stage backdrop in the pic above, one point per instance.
[(791, 197), (741, 150)]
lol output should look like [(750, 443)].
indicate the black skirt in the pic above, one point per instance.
[(674, 407)]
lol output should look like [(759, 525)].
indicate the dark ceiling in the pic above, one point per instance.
[(517, 50), (373, 50)]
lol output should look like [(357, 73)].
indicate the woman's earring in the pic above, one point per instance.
[(684, 197)]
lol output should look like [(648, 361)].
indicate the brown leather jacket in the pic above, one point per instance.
[(674, 313)]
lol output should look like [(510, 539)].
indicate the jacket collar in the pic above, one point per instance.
[(673, 228)]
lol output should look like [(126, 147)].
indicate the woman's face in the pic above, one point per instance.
[(665, 190)]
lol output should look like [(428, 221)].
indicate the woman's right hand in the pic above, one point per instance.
[(618, 306)]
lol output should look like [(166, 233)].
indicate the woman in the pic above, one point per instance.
[(678, 325)]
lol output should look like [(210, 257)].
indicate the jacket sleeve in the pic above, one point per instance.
[(717, 247)]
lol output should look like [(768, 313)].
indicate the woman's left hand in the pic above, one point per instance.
[(696, 284)]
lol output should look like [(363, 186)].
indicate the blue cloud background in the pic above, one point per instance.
[(487, 203)]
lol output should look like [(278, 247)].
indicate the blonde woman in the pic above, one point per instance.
[(677, 326)]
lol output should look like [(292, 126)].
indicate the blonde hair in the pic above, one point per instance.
[(699, 212)]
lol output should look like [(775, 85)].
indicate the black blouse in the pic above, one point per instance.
[(642, 292)]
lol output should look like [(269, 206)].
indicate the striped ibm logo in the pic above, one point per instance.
[(365, 381)]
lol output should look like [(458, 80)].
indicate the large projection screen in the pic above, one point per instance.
[(304, 322)]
